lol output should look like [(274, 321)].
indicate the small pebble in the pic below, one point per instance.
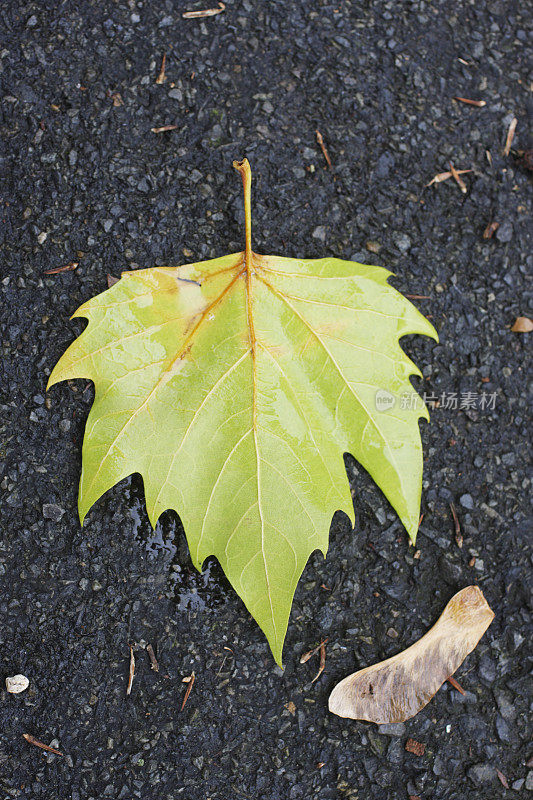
[(466, 501), (53, 511), (392, 729), (402, 242), (505, 232), (319, 233), (17, 684)]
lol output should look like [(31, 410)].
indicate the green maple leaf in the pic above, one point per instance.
[(234, 386)]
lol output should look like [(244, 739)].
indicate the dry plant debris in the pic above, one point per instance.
[(503, 780), (399, 687), (322, 665), (320, 140), (457, 527), (457, 178), (456, 685), (153, 660), (417, 748), (306, 656), (476, 103), (522, 325), (208, 12), (32, 740), (132, 671), (161, 78), (510, 136), (164, 128), (67, 268), (491, 229), (189, 680), (444, 176)]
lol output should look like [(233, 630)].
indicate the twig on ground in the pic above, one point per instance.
[(476, 103), (153, 660), (161, 78), (510, 136), (209, 12), (503, 780), (456, 685), (320, 140), (310, 653), (456, 176), (190, 683), (32, 740), (67, 268), (322, 662), (491, 229), (132, 671), (444, 176), (458, 534), (164, 128)]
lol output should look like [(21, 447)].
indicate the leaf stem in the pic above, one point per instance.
[(246, 174)]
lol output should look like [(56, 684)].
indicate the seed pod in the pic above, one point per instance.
[(398, 688)]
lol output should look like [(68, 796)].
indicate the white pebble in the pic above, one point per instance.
[(17, 684)]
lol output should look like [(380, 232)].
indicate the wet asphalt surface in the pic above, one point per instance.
[(85, 180)]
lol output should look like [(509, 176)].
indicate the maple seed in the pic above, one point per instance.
[(398, 688)]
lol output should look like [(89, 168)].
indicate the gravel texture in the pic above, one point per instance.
[(85, 180)]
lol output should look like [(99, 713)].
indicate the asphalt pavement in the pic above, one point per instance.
[(86, 181)]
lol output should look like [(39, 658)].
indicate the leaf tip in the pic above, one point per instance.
[(277, 652), (83, 507), (411, 525)]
